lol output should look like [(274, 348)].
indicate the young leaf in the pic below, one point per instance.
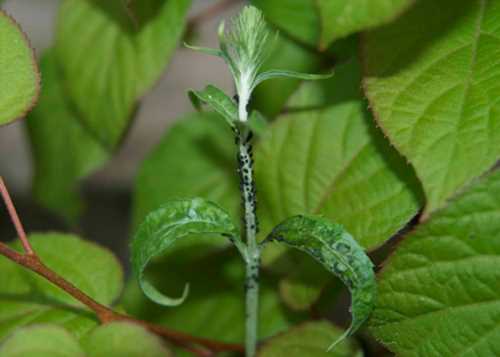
[(438, 293), (121, 339), (200, 149), (26, 298), (177, 220), (117, 57), (326, 157), (206, 50), (340, 254), (41, 341), (64, 156), (219, 102), (435, 95), (309, 339), (281, 73), (19, 77), (270, 97)]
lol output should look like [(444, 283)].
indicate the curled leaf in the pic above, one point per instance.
[(170, 223), (340, 254), (219, 102)]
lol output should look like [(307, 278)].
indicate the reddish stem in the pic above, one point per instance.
[(31, 261), (15, 218)]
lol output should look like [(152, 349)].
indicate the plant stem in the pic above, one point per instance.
[(15, 218), (249, 202), (32, 261)]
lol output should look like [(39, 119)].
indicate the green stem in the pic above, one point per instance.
[(248, 192)]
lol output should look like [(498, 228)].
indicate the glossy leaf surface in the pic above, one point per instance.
[(339, 253)]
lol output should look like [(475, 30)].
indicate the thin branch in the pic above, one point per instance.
[(30, 260), (15, 218)]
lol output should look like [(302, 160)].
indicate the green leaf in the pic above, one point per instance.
[(343, 17), (41, 341), (340, 254), (270, 97), (298, 18), (175, 221), (111, 340), (121, 339), (435, 95), (326, 157), (117, 57), (219, 102), (438, 291), (215, 307), (20, 80), (64, 156), (200, 150), (281, 73), (319, 22), (26, 298), (309, 339)]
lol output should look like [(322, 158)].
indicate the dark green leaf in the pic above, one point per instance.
[(438, 293), (119, 54), (175, 221), (63, 151), (219, 102), (19, 77), (309, 339), (339, 253), (26, 298)]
